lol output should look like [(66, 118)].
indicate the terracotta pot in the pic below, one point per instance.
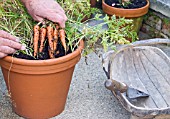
[(135, 14), (39, 88), (127, 13)]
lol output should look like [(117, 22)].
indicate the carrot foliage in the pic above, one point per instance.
[(15, 20)]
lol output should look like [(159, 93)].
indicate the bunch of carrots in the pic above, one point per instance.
[(52, 33)]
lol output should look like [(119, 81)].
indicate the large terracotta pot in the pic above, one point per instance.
[(39, 88), (135, 14)]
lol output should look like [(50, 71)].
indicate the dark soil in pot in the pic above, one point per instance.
[(132, 5), (45, 55)]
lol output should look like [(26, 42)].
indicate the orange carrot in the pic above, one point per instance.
[(50, 33), (55, 37), (43, 32), (36, 38), (62, 38)]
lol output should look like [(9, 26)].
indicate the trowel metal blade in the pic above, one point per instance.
[(134, 93)]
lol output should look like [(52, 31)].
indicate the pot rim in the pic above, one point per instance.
[(147, 5), (48, 61)]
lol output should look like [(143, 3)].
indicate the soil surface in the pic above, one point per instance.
[(133, 4), (44, 54)]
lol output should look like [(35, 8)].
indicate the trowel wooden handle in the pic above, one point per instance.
[(114, 85)]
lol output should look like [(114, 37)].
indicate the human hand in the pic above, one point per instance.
[(49, 9), (8, 44)]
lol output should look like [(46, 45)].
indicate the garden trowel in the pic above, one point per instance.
[(131, 92)]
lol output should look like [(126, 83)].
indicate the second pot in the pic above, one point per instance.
[(135, 14)]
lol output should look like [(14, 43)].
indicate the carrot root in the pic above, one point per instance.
[(43, 32), (55, 38), (53, 35), (62, 38), (50, 32), (36, 39)]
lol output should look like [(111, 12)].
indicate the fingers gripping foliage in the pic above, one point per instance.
[(15, 20)]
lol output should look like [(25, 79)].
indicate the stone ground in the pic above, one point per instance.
[(87, 98)]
